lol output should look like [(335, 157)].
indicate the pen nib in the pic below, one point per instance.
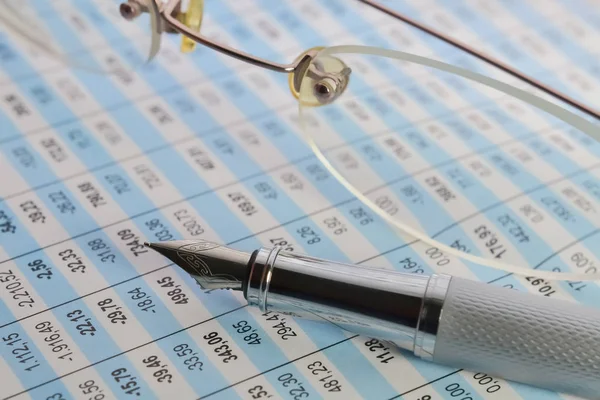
[(213, 266)]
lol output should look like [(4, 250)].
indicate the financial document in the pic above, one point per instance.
[(203, 146)]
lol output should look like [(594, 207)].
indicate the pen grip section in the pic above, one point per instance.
[(373, 302), (522, 337)]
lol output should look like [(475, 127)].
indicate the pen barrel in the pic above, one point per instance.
[(552, 344), (548, 343), (388, 305)]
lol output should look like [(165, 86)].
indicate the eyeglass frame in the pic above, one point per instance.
[(169, 11)]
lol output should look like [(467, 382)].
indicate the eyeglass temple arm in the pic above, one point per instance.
[(484, 57)]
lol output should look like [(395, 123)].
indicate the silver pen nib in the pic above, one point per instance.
[(212, 265)]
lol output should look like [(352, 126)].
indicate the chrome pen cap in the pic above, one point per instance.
[(213, 266)]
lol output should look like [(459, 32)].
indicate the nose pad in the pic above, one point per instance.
[(319, 79), (192, 18)]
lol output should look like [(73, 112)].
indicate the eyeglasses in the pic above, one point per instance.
[(374, 116), (169, 16)]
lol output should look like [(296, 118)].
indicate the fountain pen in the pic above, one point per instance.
[(549, 343)]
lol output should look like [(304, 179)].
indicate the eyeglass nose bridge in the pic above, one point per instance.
[(172, 20)]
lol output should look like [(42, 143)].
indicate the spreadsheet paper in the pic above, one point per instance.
[(203, 146)]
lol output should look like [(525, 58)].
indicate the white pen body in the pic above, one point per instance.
[(531, 339)]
